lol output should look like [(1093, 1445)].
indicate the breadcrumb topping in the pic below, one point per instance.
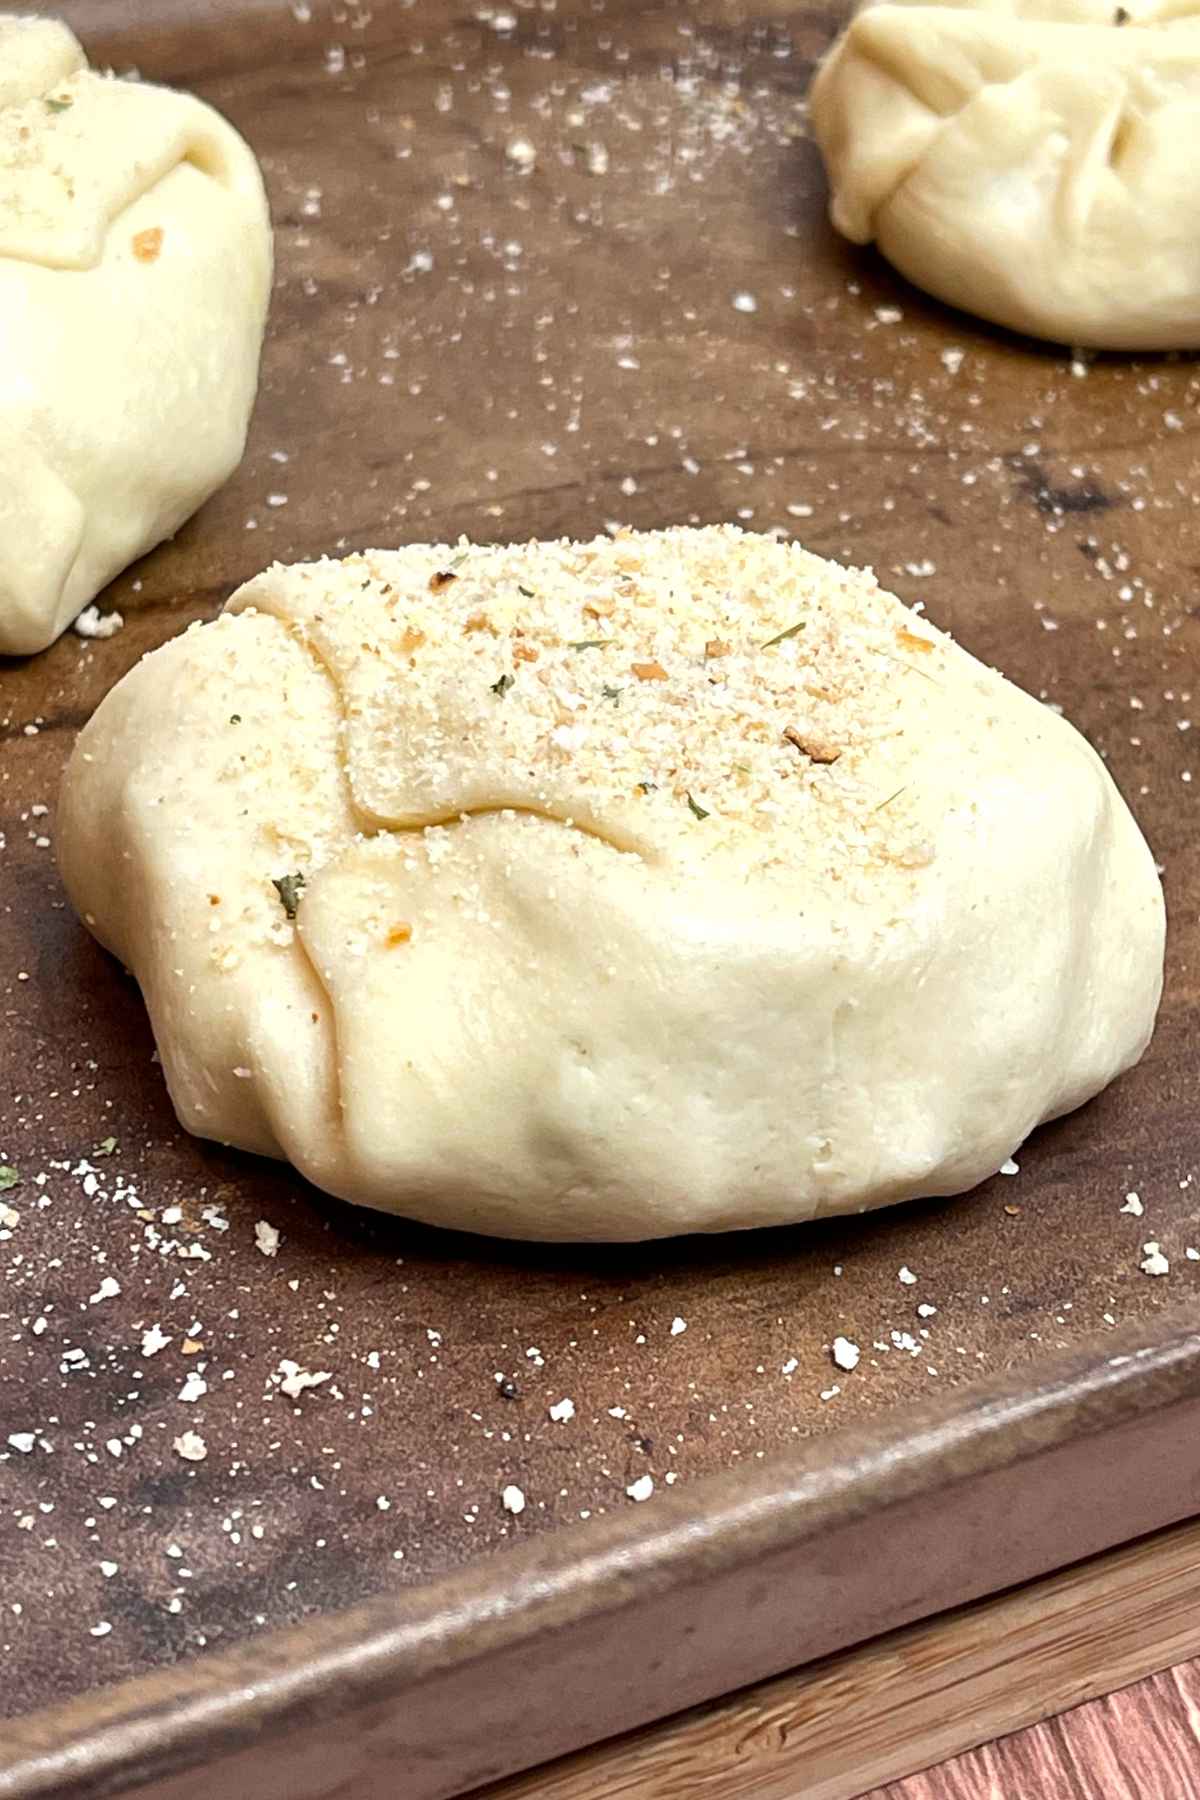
[(680, 694)]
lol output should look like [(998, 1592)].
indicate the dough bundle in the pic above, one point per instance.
[(1032, 161), (135, 270), (672, 882)]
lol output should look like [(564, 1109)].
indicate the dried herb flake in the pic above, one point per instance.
[(501, 687), (105, 1147), (612, 693), (791, 632), (588, 644), (289, 889), (696, 809), (58, 106), (8, 1178)]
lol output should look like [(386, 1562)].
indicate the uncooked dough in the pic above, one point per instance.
[(672, 882), (1032, 161), (135, 269)]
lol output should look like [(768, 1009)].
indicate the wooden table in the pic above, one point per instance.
[(1140, 1744)]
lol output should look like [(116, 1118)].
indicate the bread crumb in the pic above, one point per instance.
[(92, 623), (293, 1380), (266, 1238)]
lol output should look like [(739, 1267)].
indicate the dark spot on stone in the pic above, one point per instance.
[(1054, 500), (508, 1390), (172, 1488)]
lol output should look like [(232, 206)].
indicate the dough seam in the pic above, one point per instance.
[(372, 825)]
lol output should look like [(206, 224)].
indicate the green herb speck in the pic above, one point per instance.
[(8, 1178), (612, 693), (696, 810), (588, 644), (791, 632), (105, 1147), (58, 106), (502, 686)]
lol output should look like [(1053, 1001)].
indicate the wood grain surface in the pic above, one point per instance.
[(651, 323), (1142, 1743)]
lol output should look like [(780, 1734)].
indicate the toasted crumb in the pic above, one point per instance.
[(818, 750), (147, 245)]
